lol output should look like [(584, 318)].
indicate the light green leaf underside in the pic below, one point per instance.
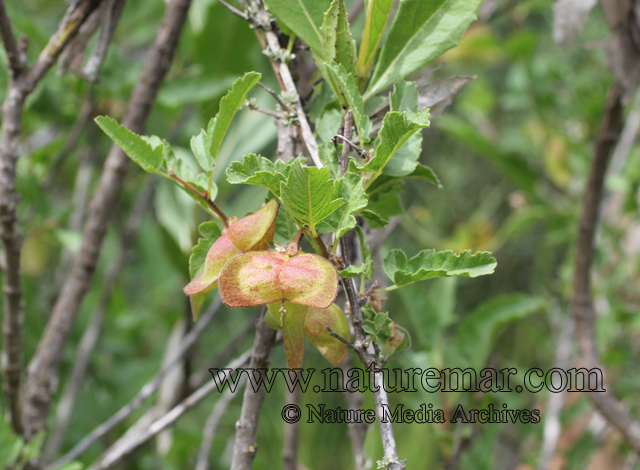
[(136, 147), (303, 17), (430, 263)]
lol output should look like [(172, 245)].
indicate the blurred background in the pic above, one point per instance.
[(512, 151)]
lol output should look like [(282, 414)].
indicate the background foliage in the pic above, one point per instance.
[(512, 153)]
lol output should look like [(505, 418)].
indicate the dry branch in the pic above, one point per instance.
[(582, 303), (43, 369)]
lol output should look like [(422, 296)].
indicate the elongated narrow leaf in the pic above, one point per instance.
[(229, 105), (377, 17), (303, 17), (257, 170), (352, 193), (347, 84), (430, 263), (421, 31), (396, 131), (337, 43), (309, 195), (136, 147)]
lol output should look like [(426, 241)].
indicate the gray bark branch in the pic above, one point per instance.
[(43, 370)]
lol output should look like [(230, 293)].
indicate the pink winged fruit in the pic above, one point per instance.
[(251, 233)]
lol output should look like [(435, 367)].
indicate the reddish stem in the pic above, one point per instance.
[(205, 196)]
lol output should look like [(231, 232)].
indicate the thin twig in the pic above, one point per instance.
[(267, 111), (210, 427), (357, 431), (145, 392), (43, 369), (275, 95), (234, 10), (204, 196), (245, 447), (92, 69), (582, 304), (92, 332), (128, 444), (16, 61), (340, 338)]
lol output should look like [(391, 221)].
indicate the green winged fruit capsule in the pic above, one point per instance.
[(262, 277), (316, 322), (251, 233)]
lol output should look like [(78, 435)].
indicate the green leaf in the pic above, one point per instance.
[(367, 267), (70, 466), (328, 124), (384, 181), (337, 43), (229, 105), (377, 16), (396, 131), (303, 17), (135, 146), (347, 84), (10, 445), (257, 170), (420, 32), (378, 326), (352, 193), (209, 233), (309, 195), (201, 147), (429, 264), (473, 338), (286, 228), (404, 97), (374, 220), (385, 203), (329, 158)]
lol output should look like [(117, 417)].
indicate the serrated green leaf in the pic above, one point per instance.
[(347, 85), (176, 164), (385, 202), (367, 267), (378, 327), (376, 20), (257, 170), (396, 131), (329, 158), (420, 32), (229, 105), (303, 17), (135, 146), (337, 43), (430, 263), (352, 193), (309, 195), (209, 233), (201, 147)]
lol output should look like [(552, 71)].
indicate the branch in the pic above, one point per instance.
[(581, 303), (210, 427), (245, 447), (357, 431), (73, 19), (92, 332), (146, 391), (92, 69), (20, 85), (16, 60), (129, 443), (291, 433), (43, 369), (204, 196)]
